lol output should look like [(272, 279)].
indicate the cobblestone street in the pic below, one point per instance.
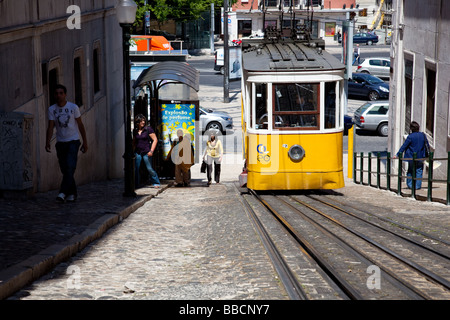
[(202, 248)]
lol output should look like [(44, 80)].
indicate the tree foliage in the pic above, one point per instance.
[(178, 10)]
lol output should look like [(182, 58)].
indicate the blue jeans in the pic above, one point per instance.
[(67, 153), (148, 163), (419, 174)]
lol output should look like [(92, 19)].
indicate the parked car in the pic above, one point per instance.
[(365, 37), (378, 67), (373, 116), (367, 86), (215, 120)]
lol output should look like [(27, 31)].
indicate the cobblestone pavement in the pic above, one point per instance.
[(38, 233), (186, 243)]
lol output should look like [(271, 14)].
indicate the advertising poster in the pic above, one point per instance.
[(176, 116), (235, 62)]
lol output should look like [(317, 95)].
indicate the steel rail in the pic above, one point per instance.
[(406, 287), (402, 226), (326, 267), (287, 277), (442, 254), (427, 273)]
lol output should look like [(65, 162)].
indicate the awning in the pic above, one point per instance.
[(176, 71)]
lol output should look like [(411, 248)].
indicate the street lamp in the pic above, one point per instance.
[(126, 14)]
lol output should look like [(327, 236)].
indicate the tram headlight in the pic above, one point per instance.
[(296, 153)]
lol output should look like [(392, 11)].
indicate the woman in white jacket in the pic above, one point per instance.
[(213, 153)]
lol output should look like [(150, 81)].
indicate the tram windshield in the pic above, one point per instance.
[(296, 105)]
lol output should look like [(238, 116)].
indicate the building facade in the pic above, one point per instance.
[(75, 43), (327, 16), (420, 84)]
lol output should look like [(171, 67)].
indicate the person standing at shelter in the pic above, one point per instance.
[(213, 153), (182, 155), (65, 116), (144, 145), (357, 54), (416, 142)]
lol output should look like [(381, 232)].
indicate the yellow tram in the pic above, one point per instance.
[(292, 113)]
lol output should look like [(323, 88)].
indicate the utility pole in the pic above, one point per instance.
[(212, 29), (347, 53), (226, 55)]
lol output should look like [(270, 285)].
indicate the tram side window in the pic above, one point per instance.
[(296, 106), (261, 115), (330, 105)]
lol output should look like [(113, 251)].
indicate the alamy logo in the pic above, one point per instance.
[(374, 280), (74, 280), (74, 21)]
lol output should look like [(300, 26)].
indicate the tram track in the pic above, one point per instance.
[(344, 254)]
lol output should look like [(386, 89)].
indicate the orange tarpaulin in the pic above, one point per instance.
[(151, 43)]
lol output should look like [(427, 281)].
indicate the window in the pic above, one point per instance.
[(430, 91), (53, 76), (375, 62), (78, 81), (52, 82), (96, 66), (409, 67), (296, 106), (379, 110), (330, 105), (245, 27), (260, 102), (295, 3)]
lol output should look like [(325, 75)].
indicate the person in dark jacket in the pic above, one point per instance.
[(416, 142), (144, 149)]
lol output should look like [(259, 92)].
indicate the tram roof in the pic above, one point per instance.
[(287, 55)]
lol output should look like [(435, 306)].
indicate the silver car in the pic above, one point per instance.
[(378, 67), (215, 120), (373, 116)]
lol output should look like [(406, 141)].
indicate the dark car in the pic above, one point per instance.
[(367, 86), (348, 123), (365, 37)]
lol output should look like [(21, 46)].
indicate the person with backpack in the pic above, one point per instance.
[(416, 142)]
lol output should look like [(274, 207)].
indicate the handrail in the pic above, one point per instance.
[(389, 174)]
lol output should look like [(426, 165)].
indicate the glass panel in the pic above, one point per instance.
[(409, 65), (261, 106), (431, 95), (330, 105), (296, 97), (296, 105), (379, 110)]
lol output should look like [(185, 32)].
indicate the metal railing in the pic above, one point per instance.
[(364, 169)]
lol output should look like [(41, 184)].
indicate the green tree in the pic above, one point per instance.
[(179, 10)]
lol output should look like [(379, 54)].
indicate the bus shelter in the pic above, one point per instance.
[(174, 106)]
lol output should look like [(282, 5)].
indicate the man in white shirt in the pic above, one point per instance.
[(66, 117)]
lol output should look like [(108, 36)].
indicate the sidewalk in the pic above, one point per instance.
[(39, 233)]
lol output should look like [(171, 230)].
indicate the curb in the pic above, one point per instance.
[(20, 275)]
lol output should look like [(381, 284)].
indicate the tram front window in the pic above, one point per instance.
[(296, 106)]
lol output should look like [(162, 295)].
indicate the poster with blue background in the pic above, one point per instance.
[(176, 116)]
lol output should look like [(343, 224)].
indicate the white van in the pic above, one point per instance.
[(235, 62), (218, 62)]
